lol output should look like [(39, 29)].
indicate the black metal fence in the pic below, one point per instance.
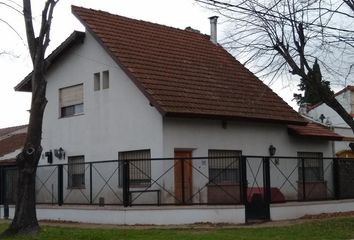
[(213, 180)]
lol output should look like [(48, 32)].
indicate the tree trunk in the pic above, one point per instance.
[(25, 219)]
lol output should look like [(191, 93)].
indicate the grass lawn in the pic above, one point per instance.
[(341, 228)]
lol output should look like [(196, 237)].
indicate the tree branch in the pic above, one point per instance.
[(31, 40)]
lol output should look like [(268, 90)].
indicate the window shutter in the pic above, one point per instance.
[(71, 95)]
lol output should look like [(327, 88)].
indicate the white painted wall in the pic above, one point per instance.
[(338, 124), (181, 215), (146, 216), (116, 119), (249, 137), (344, 99)]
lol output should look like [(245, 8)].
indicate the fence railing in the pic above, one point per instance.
[(196, 181)]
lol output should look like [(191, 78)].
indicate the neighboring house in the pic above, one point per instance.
[(11, 144), (322, 113), (182, 116), (12, 140)]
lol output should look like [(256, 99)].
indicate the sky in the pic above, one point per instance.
[(16, 64)]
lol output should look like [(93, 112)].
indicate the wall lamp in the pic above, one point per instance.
[(272, 150), (49, 156), (59, 153)]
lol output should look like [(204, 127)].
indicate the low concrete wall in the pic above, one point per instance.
[(295, 210), (142, 215), (176, 215)]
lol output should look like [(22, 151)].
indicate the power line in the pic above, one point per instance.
[(229, 7)]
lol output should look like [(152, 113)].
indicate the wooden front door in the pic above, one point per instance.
[(183, 177)]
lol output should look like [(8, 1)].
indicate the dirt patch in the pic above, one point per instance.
[(329, 215)]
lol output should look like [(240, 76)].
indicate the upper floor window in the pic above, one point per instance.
[(101, 80), (97, 81), (71, 100), (105, 79)]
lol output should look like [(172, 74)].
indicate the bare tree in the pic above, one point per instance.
[(25, 219), (310, 39)]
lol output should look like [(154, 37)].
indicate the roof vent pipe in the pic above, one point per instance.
[(213, 29)]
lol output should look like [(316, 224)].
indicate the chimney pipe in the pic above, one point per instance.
[(213, 29)]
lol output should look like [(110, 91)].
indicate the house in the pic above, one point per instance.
[(322, 113), (12, 140), (144, 114)]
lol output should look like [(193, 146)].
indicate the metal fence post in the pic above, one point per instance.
[(6, 205), (336, 181), (303, 179), (60, 185), (91, 183), (244, 184), (1, 185), (126, 194), (267, 186), (182, 181)]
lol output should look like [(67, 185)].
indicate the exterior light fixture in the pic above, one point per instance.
[(59, 153), (272, 150), (49, 156)]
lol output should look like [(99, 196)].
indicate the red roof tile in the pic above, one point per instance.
[(315, 131), (182, 72), (4, 131), (12, 143), (11, 139)]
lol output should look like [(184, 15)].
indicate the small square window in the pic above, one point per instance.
[(96, 81), (105, 79)]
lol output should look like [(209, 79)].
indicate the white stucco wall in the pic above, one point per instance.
[(344, 99), (115, 119), (338, 124), (249, 137)]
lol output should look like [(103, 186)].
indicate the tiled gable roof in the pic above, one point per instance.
[(183, 73), (74, 39), (5, 131), (12, 143), (314, 130), (12, 140)]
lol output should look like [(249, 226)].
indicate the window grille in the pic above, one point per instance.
[(224, 166), (76, 172), (313, 164), (139, 167)]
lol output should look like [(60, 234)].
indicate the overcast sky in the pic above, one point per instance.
[(14, 67)]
